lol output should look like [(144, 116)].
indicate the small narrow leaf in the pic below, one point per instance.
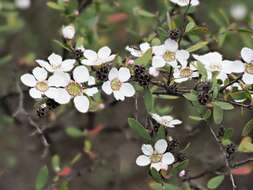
[(148, 100), (215, 182), (42, 178), (139, 129), (247, 128), (217, 114), (197, 46)]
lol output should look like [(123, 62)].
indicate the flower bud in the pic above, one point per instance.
[(68, 32)]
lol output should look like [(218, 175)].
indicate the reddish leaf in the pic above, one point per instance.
[(244, 170), (117, 17), (94, 132), (66, 171)]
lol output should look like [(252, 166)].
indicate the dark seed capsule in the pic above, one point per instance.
[(141, 75), (78, 54), (102, 73), (174, 34)]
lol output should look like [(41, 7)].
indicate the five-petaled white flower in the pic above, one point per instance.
[(38, 83), (214, 62), (156, 157), (94, 59), (55, 63), (185, 72), (68, 32), (168, 53), (144, 47), (117, 84), (76, 89), (166, 120), (183, 3)]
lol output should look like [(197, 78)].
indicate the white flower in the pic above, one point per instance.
[(144, 47), (185, 73), (247, 56), (183, 3), (23, 4), (68, 32), (38, 83), (117, 84), (239, 11), (76, 89), (103, 56), (55, 63), (167, 120), (168, 53), (157, 158), (214, 62)]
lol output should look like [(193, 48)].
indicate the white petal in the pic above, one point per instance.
[(91, 81), (88, 62), (144, 47), (39, 73), (34, 93), (222, 76), (158, 62), (91, 91), (156, 117), (195, 2), (114, 73), (176, 122), (51, 92), (28, 80), (118, 95), (161, 146), (159, 50), (55, 59), (90, 55), (247, 54), (59, 79), (68, 65), (233, 66), (82, 103), (108, 59), (171, 45), (104, 52), (213, 57), (158, 166), (143, 160), (147, 149), (182, 56), (45, 64), (124, 74), (153, 71), (168, 158), (134, 52), (81, 74), (247, 78), (106, 87), (127, 90), (62, 96)]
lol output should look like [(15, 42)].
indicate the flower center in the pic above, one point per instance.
[(249, 68), (169, 56), (56, 66), (215, 67), (156, 158), (74, 89), (186, 72), (42, 86), (116, 84)]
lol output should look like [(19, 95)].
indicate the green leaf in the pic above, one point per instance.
[(42, 178), (74, 132), (148, 100), (141, 12), (191, 96), (56, 163), (161, 134), (215, 182), (179, 167), (197, 46), (196, 118), (223, 105), (155, 175), (55, 6), (145, 58), (139, 129), (190, 26), (247, 128), (217, 114), (246, 145)]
